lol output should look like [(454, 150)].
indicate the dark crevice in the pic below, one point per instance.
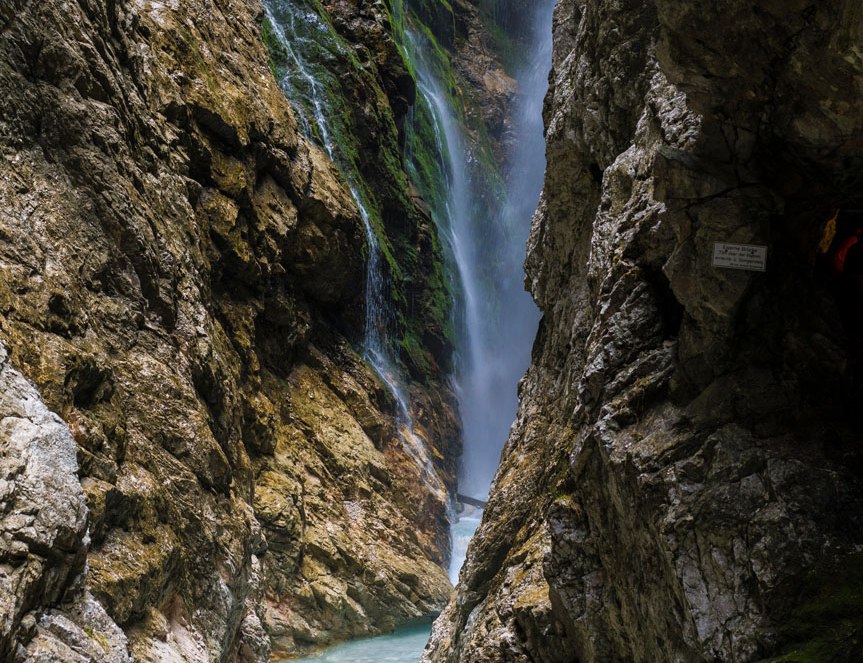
[(670, 309), (841, 271), (88, 382)]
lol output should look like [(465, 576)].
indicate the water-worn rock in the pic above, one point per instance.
[(340, 509), (684, 474)]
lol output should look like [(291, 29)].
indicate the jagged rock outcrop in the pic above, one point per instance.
[(46, 612), (683, 481), (181, 278)]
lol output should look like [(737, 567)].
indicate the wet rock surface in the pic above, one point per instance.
[(684, 473), (179, 275)]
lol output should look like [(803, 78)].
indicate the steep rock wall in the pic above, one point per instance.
[(684, 475), (181, 277), (43, 519)]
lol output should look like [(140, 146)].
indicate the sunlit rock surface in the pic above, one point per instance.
[(683, 480)]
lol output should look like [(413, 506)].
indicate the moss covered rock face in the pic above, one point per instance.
[(341, 67), (181, 278)]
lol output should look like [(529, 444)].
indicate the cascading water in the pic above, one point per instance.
[(486, 253), (487, 245), (300, 30), (455, 230)]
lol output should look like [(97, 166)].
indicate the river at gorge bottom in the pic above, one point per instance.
[(404, 645)]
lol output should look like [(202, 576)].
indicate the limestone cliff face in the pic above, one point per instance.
[(181, 279), (43, 518), (683, 480)]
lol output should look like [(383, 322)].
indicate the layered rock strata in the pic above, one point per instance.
[(181, 278), (683, 480)]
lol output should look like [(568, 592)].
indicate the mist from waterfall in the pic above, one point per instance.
[(498, 319)]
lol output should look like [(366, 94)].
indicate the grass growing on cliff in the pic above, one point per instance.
[(413, 351), (278, 55), (827, 624), (425, 165)]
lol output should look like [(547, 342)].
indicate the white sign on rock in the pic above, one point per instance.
[(751, 257)]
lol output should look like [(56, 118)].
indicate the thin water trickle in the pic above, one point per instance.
[(288, 20)]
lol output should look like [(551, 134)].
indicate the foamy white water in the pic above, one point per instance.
[(462, 532)]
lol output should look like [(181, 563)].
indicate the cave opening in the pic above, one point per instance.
[(670, 309)]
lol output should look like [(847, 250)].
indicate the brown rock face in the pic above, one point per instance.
[(344, 509), (684, 474), (177, 270)]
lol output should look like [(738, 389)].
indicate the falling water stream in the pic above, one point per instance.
[(500, 318), (295, 26), (486, 255), (487, 249)]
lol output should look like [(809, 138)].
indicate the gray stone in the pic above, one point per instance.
[(676, 470), (45, 614)]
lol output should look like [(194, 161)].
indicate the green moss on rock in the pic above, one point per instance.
[(826, 626), (366, 139)]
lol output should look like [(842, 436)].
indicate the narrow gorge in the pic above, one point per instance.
[(463, 331)]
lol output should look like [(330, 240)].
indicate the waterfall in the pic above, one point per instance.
[(484, 235), (484, 241), (487, 248), (300, 31)]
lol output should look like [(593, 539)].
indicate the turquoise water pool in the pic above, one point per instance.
[(403, 646)]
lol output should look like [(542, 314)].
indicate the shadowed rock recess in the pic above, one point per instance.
[(683, 480)]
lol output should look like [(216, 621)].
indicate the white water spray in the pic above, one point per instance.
[(488, 248)]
